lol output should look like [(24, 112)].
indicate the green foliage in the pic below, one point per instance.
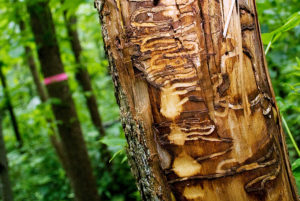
[(35, 169), (292, 22)]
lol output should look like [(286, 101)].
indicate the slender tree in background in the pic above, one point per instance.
[(43, 97), (10, 108), (196, 100), (32, 66), (5, 185), (80, 170), (83, 78)]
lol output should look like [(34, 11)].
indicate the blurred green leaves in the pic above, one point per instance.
[(296, 172), (113, 142), (291, 23), (270, 38)]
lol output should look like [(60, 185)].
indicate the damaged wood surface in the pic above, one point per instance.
[(196, 100)]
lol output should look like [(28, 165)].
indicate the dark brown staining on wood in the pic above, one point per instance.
[(155, 2), (225, 85), (247, 19), (195, 99), (118, 43)]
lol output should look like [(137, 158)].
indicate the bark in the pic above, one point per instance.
[(10, 109), (80, 172), (5, 186), (196, 100), (83, 78)]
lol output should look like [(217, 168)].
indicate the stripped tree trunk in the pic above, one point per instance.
[(79, 167), (83, 78), (10, 108), (196, 100), (5, 184)]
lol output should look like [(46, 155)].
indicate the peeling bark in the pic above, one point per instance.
[(196, 100)]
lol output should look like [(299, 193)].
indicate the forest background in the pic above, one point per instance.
[(35, 170)]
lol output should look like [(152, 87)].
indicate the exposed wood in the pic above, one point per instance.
[(10, 108), (196, 100), (73, 146), (5, 184)]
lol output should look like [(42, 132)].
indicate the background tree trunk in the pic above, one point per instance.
[(53, 136), (196, 100), (5, 186), (32, 66), (83, 78), (10, 109), (80, 170)]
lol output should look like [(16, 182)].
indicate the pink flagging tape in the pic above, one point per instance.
[(56, 78)]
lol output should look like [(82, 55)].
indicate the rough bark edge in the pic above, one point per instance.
[(143, 161), (282, 136), (139, 155)]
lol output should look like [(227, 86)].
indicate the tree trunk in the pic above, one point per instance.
[(80, 171), (33, 68), (44, 97), (83, 78), (5, 185), (196, 100), (10, 109)]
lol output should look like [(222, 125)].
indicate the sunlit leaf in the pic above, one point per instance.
[(291, 23)]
